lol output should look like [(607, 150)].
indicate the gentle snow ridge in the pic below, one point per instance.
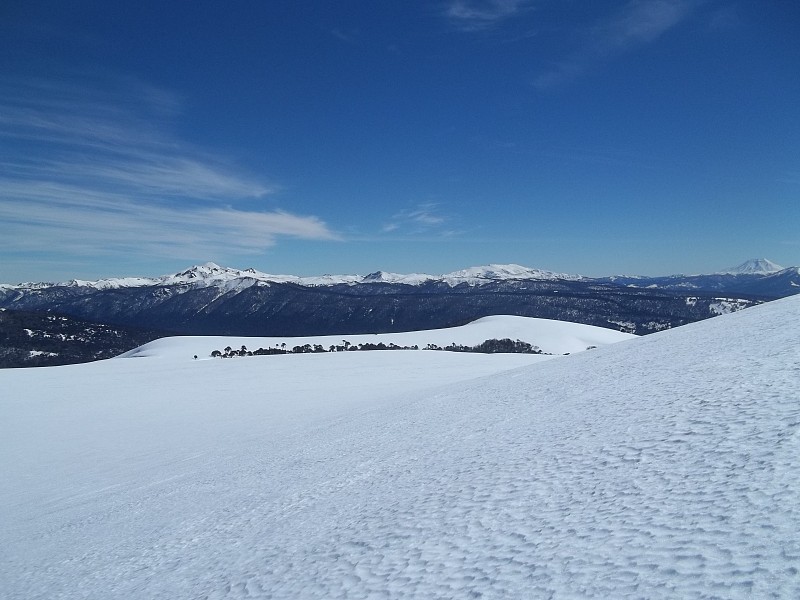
[(661, 467), (552, 337)]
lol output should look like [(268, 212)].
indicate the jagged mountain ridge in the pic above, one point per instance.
[(211, 274), (745, 277), (213, 300)]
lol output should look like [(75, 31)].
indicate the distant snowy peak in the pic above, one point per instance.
[(505, 272), (228, 279), (754, 266), (209, 269), (384, 277), (213, 274), (206, 275)]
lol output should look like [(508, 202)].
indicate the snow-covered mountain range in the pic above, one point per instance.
[(213, 300), (661, 467), (212, 275)]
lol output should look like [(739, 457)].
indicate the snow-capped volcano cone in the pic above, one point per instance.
[(755, 266)]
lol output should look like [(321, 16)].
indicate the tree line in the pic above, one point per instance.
[(493, 346)]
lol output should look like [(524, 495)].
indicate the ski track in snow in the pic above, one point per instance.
[(663, 467)]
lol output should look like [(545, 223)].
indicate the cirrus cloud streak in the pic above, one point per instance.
[(38, 216), (637, 23), (94, 170), (478, 15)]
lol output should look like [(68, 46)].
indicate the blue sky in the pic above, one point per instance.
[(625, 136)]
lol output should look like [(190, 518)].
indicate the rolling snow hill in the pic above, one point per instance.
[(666, 466), (552, 337)]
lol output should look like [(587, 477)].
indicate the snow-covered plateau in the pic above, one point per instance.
[(666, 466)]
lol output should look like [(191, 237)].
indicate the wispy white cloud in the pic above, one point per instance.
[(84, 221), (145, 174), (95, 170), (348, 37), (421, 219), (117, 140), (477, 15), (638, 23), (642, 22)]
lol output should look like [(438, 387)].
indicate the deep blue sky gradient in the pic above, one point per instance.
[(626, 136)]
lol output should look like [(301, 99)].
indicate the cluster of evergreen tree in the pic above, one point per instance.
[(493, 346)]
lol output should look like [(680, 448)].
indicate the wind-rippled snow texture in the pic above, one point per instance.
[(662, 467)]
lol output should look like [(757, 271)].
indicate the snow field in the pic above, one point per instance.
[(662, 467)]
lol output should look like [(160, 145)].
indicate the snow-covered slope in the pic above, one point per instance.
[(553, 337), (660, 467)]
